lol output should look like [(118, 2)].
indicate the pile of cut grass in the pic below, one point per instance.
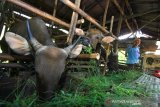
[(92, 91)]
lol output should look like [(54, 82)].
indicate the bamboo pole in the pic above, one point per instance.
[(39, 12), (89, 56), (105, 13), (111, 25), (73, 23), (54, 9), (85, 15), (55, 6)]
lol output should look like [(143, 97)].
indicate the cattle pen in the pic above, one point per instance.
[(79, 53)]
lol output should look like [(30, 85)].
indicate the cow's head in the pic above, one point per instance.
[(96, 36), (49, 60)]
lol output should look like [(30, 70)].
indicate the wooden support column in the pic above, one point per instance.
[(105, 13), (122, 13), (111, 25), (85, 15), (117, 33), (73, 23), (39, 12)]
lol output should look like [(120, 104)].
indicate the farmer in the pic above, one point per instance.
[(133, 53)]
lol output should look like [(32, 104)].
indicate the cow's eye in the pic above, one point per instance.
[(97, 37)]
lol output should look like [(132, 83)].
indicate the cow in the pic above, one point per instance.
[(97, 40), (49, 59)]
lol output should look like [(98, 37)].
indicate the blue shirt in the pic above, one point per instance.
[(133, 54)]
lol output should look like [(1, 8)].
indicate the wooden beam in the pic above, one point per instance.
[(39, 12), (89, 56), (144, 2), (122, 13), (11, 65), (146, 21), (155, 18), (152, 29), (131, 13), (135, 15), (105, 13), (4, 57), (85, 15), (73, 23)]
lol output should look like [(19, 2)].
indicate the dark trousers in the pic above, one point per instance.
[(132, 66)]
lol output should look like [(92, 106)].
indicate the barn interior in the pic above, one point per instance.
[(115, 17)]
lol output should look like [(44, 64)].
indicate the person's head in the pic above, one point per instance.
[(136, 42)]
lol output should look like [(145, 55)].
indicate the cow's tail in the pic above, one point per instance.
[(34, 43)]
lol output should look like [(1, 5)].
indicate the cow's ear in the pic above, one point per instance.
[(108, 39), (17, 43), (76, 51)]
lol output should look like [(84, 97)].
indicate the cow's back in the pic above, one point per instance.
[(38, 29)]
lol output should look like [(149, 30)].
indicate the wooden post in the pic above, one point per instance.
[(117, 33), (115, 45), (73, 23), (85, 15), (111, 25), (105, 13), (39, 12), (54, 9)]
